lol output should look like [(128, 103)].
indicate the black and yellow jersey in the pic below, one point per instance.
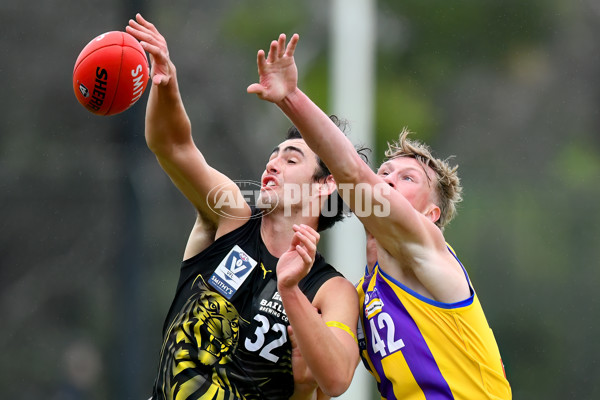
[(225, 336)]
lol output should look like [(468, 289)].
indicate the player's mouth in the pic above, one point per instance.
[(269, 182)]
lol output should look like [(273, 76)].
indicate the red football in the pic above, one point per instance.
[(111, 73)]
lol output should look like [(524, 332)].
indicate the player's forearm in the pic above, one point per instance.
[(167, 123), (323, 353), (322, 136)]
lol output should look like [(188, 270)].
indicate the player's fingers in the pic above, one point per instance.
[(141, 33), (141, 19), (255, 88), (134, 29), (281, 45), (160, 79), (291, 47), (146, 31), (308, 231), (160, 64), (306, 241), (261, 61), (156, 52), (296, 239), (272, 52), (306, 257), (147, 24), (300, 229), (141, 28)]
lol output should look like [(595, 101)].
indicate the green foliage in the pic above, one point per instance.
[(251, 22), (315, 82), (402, 104), (577, 165), (444, 35)]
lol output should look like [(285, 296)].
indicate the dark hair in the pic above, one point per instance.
[(334, 209)]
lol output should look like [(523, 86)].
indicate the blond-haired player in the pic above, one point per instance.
[(425, 333)]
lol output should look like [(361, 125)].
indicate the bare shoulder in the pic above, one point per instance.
[(337, 293), (206, 231), (202, 235), (336, 286), (432, 271)]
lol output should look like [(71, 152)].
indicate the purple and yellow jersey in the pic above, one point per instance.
[(421, 349)]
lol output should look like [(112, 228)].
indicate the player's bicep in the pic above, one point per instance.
[(337, 300)]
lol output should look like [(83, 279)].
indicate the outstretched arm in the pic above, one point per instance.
[(327, 341), (169, 134), (278, 78), (399, 228)]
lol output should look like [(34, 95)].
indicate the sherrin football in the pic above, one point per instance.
[(111, 73)]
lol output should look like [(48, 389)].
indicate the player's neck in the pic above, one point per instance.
[(276, 230), (371, 252)]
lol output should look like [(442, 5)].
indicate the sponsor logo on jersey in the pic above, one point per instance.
[(373, 304), (273, 306), (232, 272)]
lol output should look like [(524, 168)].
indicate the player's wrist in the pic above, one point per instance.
[(288, 288), (289, 99)]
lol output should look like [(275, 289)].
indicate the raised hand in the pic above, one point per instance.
[(278, 75), (156, 45), (297, 261)]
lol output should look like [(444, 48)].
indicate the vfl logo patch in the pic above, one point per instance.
[(232, 272)]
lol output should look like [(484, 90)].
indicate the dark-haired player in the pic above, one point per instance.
[(226, 334)]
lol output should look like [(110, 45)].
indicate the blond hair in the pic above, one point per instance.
[(447, 186)]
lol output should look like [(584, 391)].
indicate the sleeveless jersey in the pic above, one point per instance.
[(225, 334), (417, 348)]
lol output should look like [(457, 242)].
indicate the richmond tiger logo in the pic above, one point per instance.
[(203, 337)]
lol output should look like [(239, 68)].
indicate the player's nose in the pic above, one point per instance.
[(273, 165), (389, 180)]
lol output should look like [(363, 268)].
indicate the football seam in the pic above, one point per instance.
[(118, 77), (98, 48), (122, 44)]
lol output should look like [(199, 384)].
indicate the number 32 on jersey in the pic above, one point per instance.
[(266, 351)]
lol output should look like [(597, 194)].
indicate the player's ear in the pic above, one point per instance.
[(433, 213), (328, 186)]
